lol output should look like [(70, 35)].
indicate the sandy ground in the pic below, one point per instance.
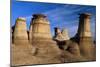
[(22, 55)]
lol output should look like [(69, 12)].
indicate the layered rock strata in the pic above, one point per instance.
[(20, 31), (41, 37), (85, 36)]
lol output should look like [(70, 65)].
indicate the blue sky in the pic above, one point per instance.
[(59, 15)]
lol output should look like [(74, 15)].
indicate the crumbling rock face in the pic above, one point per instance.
[(61, 35), (65, 34), (21, 54), (70, 49), (24, 55), (47, 49), (80, 46), (41, 48)]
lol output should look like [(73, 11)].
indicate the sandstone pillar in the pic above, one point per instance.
[(20, 31), (41, 37), (41, 27), (85, 37)]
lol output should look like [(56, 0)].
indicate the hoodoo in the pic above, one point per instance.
[(45, 49), (85, 37), (20, 31), (41, 37), (41, 27)]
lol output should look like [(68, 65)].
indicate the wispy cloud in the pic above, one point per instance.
[(61, 15)]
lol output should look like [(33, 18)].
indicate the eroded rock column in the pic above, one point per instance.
[(85, 36), (20, 31), (41, 37), (41, 27)]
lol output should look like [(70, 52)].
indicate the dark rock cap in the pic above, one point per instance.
[(38, 15), (85, 15)]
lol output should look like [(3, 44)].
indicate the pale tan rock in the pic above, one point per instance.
[(40, 27), (85, 37), (61, 35), (20, 31), (43, 50), (84, 25), (41, 37), (65, 34)]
